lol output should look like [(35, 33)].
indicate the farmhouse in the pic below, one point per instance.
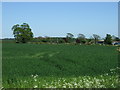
[(116, 43), (100, 42)]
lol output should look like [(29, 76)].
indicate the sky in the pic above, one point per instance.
[(56, 19)]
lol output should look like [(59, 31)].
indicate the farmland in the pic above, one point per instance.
[(59, 66)]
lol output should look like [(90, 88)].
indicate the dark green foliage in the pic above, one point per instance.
[(69, 37), (81, 39), (55, 40), (61, 40), (108, 39), (77, 41), (116, 39), (22, 33)]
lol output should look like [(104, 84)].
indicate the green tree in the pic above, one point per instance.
[(69, 37), (117, 39), (96, 38), (113, 37), (22, 33), (81, 38), (108, 39)]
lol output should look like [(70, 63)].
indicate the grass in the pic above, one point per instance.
[(50, 63), (101, 81)]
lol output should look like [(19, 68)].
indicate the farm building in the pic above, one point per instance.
[(116, 43), (100, 42)]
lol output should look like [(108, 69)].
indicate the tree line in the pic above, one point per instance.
[(23, 34)]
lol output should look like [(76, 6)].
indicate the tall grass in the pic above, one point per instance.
[(61, 61)]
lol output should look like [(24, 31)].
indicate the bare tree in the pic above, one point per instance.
[(96, 38), (81, 36), (69, 37)]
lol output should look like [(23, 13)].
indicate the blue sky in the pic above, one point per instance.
[(59, 18)]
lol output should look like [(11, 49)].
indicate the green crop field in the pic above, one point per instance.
[(59, 66)]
